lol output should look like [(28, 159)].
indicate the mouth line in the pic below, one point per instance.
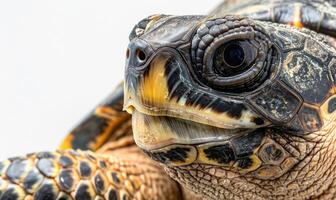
[(170, 131)]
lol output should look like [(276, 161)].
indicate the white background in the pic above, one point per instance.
[(59, 58)]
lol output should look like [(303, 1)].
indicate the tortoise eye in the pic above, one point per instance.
[(233, 58), (232, 54)]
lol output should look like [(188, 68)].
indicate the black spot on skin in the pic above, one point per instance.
[(173, 155), (125, 197), (245, 163), (274, 153), (45, 193), (192, 97), (66, 180), (65, 161), (10, 195), (223, 154), (332, 105), (84, 169), (88, 131), (32, 179), (16, 170), (179, 91), (115, 178), (99, 184), (46, 166), (246, 144), (102, 164), (234, 110), (112, 195), (82, 193), (258, 121), (200, 100)]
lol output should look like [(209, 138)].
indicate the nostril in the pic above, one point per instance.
[(127, 53), (141, 55)]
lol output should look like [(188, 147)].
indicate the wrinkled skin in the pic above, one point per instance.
[(231, 107), (262, 128)]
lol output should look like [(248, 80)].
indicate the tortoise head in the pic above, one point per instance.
[(224, 102)]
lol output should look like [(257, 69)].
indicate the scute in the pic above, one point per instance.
[(309, 77), (310, 117), (277, 102), (287, 41)]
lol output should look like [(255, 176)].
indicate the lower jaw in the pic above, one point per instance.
[(176, 142)]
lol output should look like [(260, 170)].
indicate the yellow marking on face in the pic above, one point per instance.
[(154, 89), (67, 143), (297, 16)]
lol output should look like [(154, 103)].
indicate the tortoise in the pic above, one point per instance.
[(238, 104)]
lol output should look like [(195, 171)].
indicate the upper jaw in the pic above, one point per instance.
[(165, 87)]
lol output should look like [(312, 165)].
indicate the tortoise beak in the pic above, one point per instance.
[(164, 87)]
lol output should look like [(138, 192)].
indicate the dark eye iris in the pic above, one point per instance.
[(233, 58), (234, 55)]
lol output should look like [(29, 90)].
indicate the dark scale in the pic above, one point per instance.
[(99, 184), (88, 131), (115, 178), (84, 169), (46, 167), (223, 154), (289, 41), (112, 194), (125, 197), (295, 126), (66, 180), (16, 170), (315, 49), (65, 161), (332, 105), (310, 118), (102, 164), (45, 192), (275, 153), (9, 194), (277, 102), (33, 179), (309, 77), (245, 163), (82, 192), (245, 145)]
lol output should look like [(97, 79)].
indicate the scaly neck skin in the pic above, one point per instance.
[(313, 177)]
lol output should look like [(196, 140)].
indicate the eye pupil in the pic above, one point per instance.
[(234, 55)]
